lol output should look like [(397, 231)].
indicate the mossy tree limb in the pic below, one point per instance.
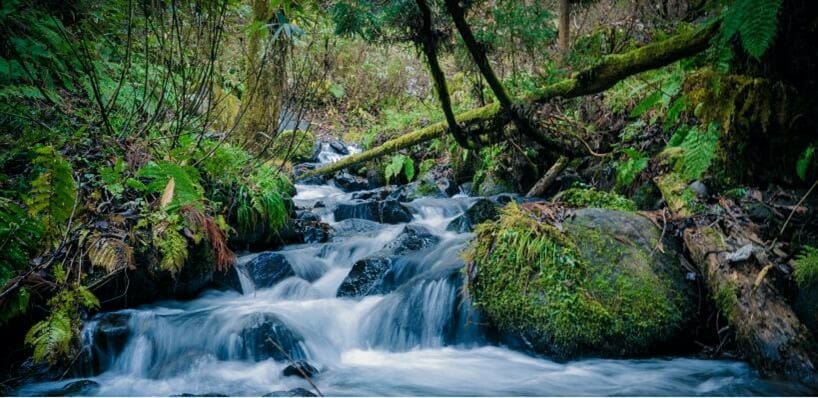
[(600, 77), (767, 330)]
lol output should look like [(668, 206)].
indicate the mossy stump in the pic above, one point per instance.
[(600, 282)]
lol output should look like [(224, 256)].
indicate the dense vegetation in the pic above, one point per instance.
[(150, 140)]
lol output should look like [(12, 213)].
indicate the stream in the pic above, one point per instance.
[(413, 333)]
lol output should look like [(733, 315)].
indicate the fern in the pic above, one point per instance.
[(806, 267), (628, 170), (51, 338), (19, 241), (698, 150), (110, 254), (112, 178), (54, 191), (188, 189), (173, 247), (398, 164), (755, 22)]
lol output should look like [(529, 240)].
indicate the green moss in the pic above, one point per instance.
[(298, 144), (726, 298), (589, 197), (806, 267), (575, 288)]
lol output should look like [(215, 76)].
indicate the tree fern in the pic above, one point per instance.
[(755, 22), (54, 191)]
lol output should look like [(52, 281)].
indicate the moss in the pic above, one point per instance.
[(726, 298), (576, 289), (299, 144), (589, 197), (225, 110)]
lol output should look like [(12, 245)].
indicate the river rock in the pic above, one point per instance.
[(374, 274), (350, 183), (295, 392), (268, 269), (480, 211), (75, 388), (266, 336), (605, 283), (300, 369), (387, 211), (339, 147)]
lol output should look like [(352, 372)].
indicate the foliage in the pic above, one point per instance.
[(19, 241), (806, 267), (804, 162), (590, 197), (693, 149), (755, 22), (51, 338), (188, 188), (398, 164), (628, 170), (54, 192), (112, 177)]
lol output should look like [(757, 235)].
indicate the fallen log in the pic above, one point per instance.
[(610, 70), (767, 331), (548, 178)]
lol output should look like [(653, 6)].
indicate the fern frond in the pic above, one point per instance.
[(806, 267), (699, 149), (109, 254), (54, 191), (51, 337), (173, 247), (756, 23), (187, 185)]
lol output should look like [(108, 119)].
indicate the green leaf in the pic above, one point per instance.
[(804, 162), (408, 168), (646, 104)]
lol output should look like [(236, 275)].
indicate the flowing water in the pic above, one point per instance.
[(419, 339)]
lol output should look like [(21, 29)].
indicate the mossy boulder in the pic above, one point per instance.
[(298, 143), (596, 283)]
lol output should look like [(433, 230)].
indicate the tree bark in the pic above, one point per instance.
[(265, 82), (600, 77), (565, 24), (767, 330), (548, 178)]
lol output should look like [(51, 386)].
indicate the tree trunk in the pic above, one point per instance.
[(565, 24), (539, 188), (602, 76), (767, 330), (265, 81)]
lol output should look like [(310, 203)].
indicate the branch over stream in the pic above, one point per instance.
[(610, 70)]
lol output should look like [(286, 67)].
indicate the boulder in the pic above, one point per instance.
[(480, 211), (267, 336), (268, 269), (350, 183), (493, 185), (387, 211), (300, 369), (339, 147), (374, 274), (603, 282)]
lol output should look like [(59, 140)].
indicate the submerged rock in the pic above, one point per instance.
[(300, 369), (75, 388), (267, 336), (603, 282), (387, 211), (295, 392), (349, 182)]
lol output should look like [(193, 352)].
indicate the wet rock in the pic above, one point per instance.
[(493, 185), (355, 226), (374, 274), (448, 186), (267, 336), (227, 280), (108, 340), (75, 388), (392, 212), (339, 147), (365, 277), (312, 180), (295, 392), (350, 183), (300, 369), (268, 269), (506, 198), (319, 205), (375, 177), (311, 227), (387, 212), (480, 211), (699, 188)]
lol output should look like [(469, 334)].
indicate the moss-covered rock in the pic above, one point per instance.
[(590, 197), (597, 284), (299, 144)]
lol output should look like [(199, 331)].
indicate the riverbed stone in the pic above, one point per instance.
[(300, 369), (480, 211), (600, 282), (83, 387), (295, 392), (350, 183), (267, 336), (268, 269), (387, 211)]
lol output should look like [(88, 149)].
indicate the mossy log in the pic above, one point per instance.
[(767, 330), (610, 70)]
